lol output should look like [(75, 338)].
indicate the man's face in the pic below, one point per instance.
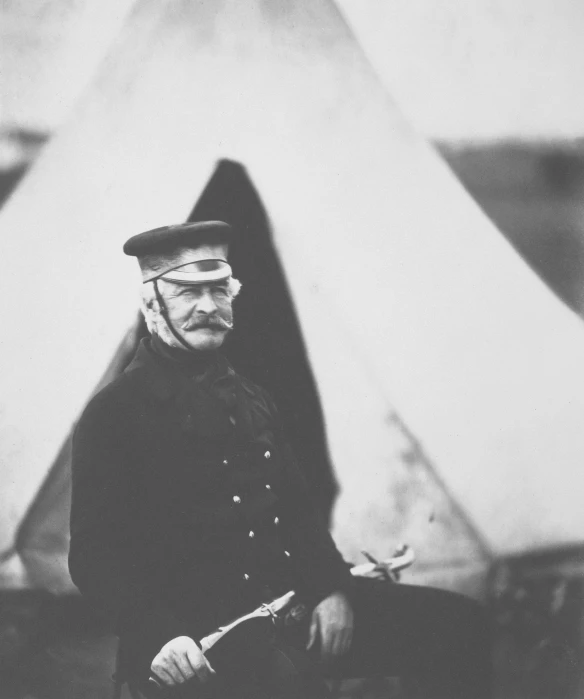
[(201, 314)]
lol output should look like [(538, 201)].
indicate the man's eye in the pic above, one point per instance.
[(219, 291)]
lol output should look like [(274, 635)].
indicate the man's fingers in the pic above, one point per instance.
[(329, 645), (200, 665), (342, 643), (178, 661), (312, 632), (168, 675), (335, 642), (184, 665)]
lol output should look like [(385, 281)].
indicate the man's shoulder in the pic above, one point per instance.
[(116, 398)]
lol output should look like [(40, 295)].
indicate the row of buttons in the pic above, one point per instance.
[(237, 501)]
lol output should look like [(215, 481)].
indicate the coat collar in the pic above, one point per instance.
[(164, 380)]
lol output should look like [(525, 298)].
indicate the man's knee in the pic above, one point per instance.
[(439, 621), (468, 616)]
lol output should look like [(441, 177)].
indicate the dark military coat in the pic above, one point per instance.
[(177, 529)]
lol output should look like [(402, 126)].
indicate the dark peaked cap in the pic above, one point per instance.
[(198, 249)]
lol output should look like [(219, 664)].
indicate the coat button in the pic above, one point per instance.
[(267, 455), (245, 576), (251, 535), (268, 486), (225, 462), (287, 553), (236, 499), (276, 521)]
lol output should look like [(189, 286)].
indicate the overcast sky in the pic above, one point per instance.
[(479, 68), (460, 69)]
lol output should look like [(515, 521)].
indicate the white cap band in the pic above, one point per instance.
[(201, 272)]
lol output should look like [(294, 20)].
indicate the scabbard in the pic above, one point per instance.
[(271, 610)]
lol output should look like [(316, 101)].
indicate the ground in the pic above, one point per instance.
[(54, 648)]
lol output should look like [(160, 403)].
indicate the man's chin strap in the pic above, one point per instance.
[(164, 314)]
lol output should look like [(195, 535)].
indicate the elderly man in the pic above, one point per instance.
[(189, 510)]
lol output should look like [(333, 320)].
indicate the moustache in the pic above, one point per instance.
[(215, 323)]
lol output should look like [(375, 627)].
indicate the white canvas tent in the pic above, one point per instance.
[(449, 376)]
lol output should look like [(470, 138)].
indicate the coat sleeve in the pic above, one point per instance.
[(101, 502), (321, 565)]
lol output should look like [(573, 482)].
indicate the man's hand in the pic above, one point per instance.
[(179, 660), (332, 626)]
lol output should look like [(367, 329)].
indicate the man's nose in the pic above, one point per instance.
[(206, 303)]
